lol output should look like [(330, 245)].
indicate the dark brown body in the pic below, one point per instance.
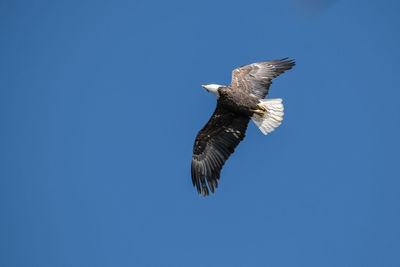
[(237, 101)]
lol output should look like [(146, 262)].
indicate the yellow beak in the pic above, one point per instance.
[(204, 86)]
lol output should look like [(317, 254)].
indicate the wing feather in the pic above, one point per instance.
[(213, 146), (256, 78)]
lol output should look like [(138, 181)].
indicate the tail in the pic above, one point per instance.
[(272, 117)]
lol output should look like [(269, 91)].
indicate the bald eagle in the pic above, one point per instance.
[(237, 103)]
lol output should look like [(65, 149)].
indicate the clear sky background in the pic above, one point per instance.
[(100, 102)]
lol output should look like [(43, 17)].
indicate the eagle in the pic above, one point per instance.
[(237, 103)]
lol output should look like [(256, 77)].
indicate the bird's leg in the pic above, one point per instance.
[(258, 111), (261, 107)]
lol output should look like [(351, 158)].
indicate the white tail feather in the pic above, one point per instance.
[(272, 117)]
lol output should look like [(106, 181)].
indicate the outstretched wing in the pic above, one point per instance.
[(213, 146), (256, 78)]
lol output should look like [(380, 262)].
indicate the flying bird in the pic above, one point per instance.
[(237, 103)]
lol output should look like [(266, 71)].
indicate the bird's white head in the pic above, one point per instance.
[(213, 88)]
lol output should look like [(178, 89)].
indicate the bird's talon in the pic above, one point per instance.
[(261, 107), (259, 112)]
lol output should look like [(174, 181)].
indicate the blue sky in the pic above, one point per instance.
[(100, 102)]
